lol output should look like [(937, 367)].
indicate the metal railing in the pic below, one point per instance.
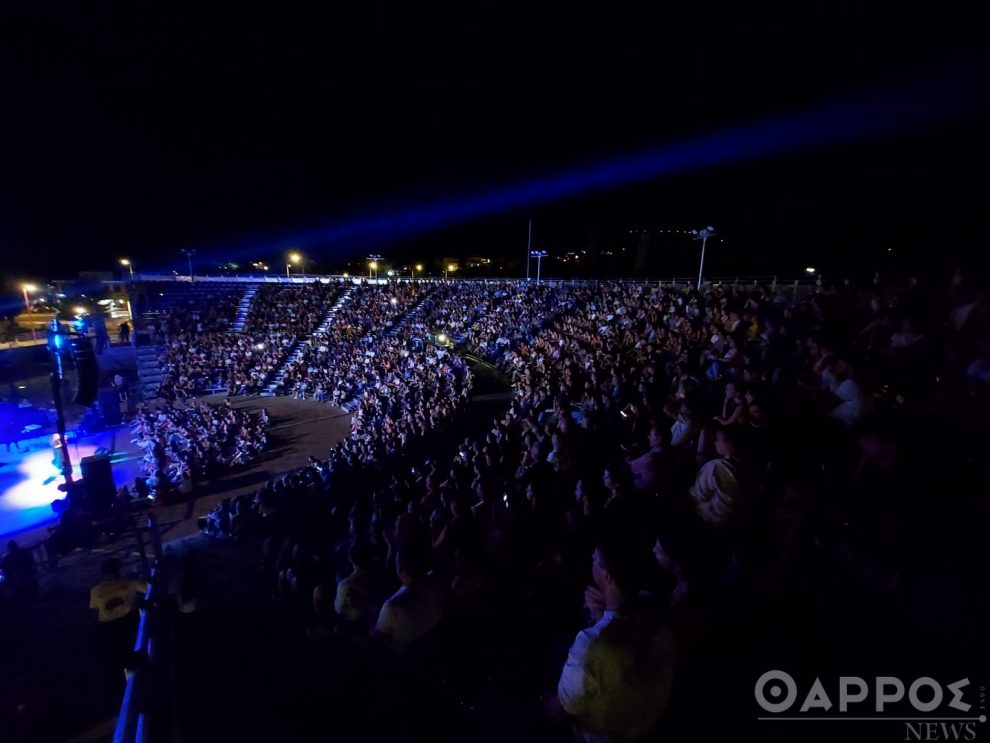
[(141, 688), (775, 282)]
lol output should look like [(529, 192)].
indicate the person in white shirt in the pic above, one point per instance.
[(618, 676), (415, 609), (851, 403), (723, 487)]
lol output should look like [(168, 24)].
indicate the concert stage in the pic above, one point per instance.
[(29, 480)]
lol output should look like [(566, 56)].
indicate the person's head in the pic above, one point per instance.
[(362, 555), (110, 568), (658, 437), (412, 564), (844, 368), (13, 546), (614, 476), (617, 571)]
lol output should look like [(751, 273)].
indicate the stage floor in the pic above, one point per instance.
[(299, 428), (29, 480)]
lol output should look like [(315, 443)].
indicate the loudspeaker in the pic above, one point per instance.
[(82, 354), (97, 475), (110, 406)]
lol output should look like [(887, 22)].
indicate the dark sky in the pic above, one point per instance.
[(137, 128)]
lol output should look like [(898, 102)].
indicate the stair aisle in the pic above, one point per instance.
[(300, 346), (244, 308)]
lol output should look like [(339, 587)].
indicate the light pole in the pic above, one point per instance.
[(703, 235), (373, 264), (539, 255), (28, 288), (126, 262), (189, 253), (529, 248), (450, 269), (417, 268), (291, 258)]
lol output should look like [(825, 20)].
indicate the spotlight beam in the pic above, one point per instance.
[(936, 99)]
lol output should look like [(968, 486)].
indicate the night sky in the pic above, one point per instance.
[(138, 129)]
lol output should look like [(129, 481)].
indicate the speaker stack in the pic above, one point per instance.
[(97, 477)]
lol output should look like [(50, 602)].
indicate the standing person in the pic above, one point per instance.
[(617, 679), (115, 599), (19, 570), (124, 332)]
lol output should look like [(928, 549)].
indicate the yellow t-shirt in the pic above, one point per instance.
[(116, 598)]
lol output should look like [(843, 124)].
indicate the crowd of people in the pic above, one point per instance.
[(673, 466), (194, 442), (331, 366), (195, 337), (201, 352)]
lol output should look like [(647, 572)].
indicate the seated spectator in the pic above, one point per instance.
[(654, 469), (416, 609), (723, 487), (850, 401), (358, 594)]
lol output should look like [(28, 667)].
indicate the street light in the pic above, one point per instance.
[(28, 288), (450, 268), (703, 235), (291, 258), (189, 253), (126, 262), (539, 255), (373, 264)]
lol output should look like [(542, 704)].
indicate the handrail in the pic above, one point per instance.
[(780, 281), (135, 702)]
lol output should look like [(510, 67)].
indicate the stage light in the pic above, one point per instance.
[(451, 267), (809, 269), (346, 275), (419, 266), (391, 273)]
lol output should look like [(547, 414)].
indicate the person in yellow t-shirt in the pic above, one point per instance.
[(115, 599)]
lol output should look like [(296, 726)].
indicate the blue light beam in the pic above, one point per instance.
[(937, 99)]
